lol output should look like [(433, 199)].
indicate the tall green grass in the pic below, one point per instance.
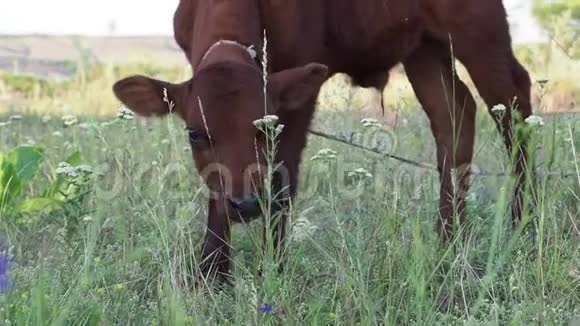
[(119, 256)]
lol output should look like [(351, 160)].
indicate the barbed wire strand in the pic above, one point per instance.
[(427, 166)]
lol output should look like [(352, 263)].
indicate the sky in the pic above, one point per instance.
[(90, 17)]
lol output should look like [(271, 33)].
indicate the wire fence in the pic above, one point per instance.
[(431, 167)]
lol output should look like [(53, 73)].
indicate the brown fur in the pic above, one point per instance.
[(364, 39)]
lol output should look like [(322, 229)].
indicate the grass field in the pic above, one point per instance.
[(109, 246)]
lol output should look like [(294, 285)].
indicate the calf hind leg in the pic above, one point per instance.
[(451, 111), (501, 79)]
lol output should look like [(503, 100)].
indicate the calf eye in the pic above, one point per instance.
[(196, 136)]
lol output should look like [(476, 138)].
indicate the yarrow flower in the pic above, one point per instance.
[(57, 134), (360, 173), (46, 119), (325, 154), (67, 170), (4, 267), (302, 229), (16, 117), (535, 120), (125, 114), (70, 120), (4, 124), (279, 129), (268, 121), (499, 109), (371, 123), (85, 169)]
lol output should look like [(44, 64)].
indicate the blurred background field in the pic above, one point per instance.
[(54, 74)]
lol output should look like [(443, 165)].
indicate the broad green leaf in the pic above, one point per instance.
[(26, 161), (10, 184), (74, 159), (39, 204)]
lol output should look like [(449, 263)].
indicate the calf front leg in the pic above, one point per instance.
[(215, 257), (278, 217), (451, 111), (285, 180)]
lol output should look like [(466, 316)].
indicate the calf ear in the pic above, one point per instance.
[(294, 88), (146, 96)]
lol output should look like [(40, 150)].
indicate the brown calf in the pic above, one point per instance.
[(308, 41)]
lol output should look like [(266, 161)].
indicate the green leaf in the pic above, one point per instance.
[(10, 184), (26, 161), (36, 205), (74, 159)]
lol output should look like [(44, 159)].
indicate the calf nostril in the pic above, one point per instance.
[(236, 203), (246, 205)]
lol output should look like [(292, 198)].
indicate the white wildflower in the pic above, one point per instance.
[(16, 117), (499, 109), (279, 129), (302, 229), (125, 114), (88, 218), (371, 123), (70, 120), (4, 124), (360, 173), (165, 141), (85, 169), (46, 119), (535, 120), (57, 134), (30, 141), (325, 154), (67, 170), (154, 163), (268, 121)]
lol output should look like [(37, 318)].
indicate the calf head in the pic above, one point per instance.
[(219, 105)]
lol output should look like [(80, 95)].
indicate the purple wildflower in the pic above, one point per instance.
[(4, 266), (266, 308)]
